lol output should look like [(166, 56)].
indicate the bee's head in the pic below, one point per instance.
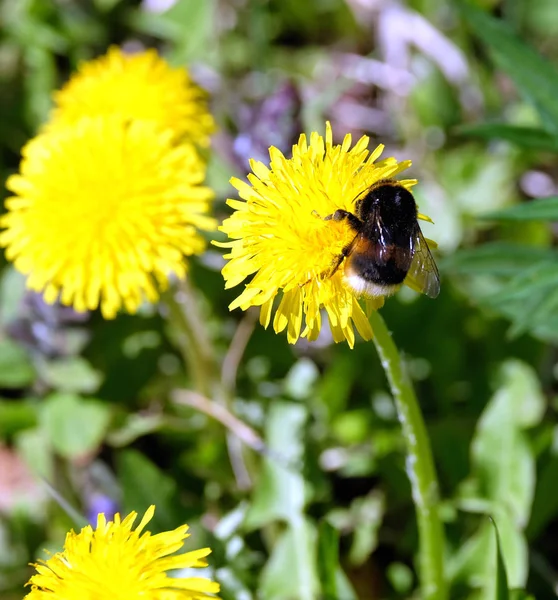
[(390, 197)]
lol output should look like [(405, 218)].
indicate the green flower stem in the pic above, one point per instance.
[(193, 341), (199, 357), (420, 465)]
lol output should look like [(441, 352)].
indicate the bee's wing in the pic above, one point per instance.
[(384, 246), (392, 246), (423, 274)]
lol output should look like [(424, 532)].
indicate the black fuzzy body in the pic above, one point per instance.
[(387, 229)]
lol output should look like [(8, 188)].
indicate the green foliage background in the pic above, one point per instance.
[(94, 408)]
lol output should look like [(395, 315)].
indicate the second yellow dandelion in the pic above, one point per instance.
[(104, 212)]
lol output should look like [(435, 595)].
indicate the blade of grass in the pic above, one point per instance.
[(535, 77)]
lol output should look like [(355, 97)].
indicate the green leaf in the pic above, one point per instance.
[(503, 465), (328, 558), (71, 374), (105, 5), (497, 258), (75, 426), (144, 484), (545, 502), (475, 562), (541, 209), (535, 77), (35, 448), (290, 572), (434, 101), (519, 310), (535, 294), (135, 425), (335, 385), (280, 495), (368, 515), (280, 489), (401, 578), (520, 595), (16, 370), (15, 416), (197, 17), (525, 137), (334, 582), (301, 378), (528, 282), (501, 579), (478, 181), (537, 310), (502, 457), (529, 297)]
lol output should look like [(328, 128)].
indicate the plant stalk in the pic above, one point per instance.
[(199, 357), (193, 341), (419, 465)]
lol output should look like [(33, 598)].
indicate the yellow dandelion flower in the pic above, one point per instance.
[(279, 238), (104, 211), (114, 562), (136, 86)]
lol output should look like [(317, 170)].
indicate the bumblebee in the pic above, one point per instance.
[(388, 248)]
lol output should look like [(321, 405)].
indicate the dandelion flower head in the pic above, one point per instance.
[(136, 86), (114, 562), (278, 235), (104, 211)]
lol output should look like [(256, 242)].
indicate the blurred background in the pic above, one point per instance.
[(91, 406)]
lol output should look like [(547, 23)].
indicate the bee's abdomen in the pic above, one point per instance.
[(377, 270), (374, 281), (390, 272)]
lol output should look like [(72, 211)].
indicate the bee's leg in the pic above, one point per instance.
[(346, 250), (355, 223), (342, 215), (336, 264)]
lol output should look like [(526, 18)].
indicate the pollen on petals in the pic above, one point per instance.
[(280, 241)]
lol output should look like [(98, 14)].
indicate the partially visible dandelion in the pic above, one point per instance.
[(278, 237), (114, 562), (104, 211), (136, 86)]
